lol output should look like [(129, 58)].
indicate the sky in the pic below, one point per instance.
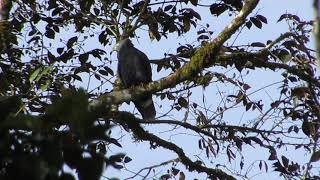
[(140, 151)]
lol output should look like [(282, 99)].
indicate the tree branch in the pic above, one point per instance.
[(154, 140), (183, 124), (202, 128), (142, 11), (258, 60), (203, 58), (149, 168)]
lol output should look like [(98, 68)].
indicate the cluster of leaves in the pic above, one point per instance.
[(298, 104), (45, 123), (38, 147), (224, 5), (45, 127)]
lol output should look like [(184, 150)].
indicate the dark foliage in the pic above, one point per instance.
[(50, 48)]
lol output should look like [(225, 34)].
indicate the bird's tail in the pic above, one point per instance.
[(146, 108)]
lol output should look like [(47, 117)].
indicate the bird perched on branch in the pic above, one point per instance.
[(134, 69)]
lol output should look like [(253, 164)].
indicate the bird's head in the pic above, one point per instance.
[(125, 43)]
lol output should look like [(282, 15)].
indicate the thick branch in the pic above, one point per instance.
[(203, 58), (140, 133)]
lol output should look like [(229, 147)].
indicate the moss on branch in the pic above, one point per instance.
[(204, 57)]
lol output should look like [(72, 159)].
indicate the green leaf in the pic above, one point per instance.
[(262, 18), (256, 22), (45, 86), (34, 74), (183, 102), (72, 109), (46, 71)]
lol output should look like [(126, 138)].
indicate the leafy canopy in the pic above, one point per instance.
[(51, 48)]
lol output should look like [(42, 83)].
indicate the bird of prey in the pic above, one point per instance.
[(134, 69)]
